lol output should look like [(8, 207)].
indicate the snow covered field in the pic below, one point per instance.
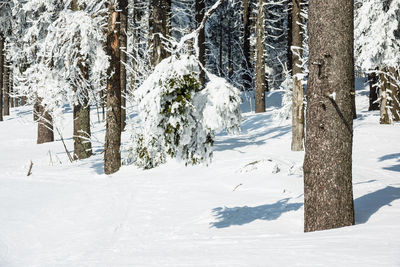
[(245, 209)]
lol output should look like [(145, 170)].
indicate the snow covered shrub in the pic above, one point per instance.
[(220, 104), (177, 118), (285, 111)]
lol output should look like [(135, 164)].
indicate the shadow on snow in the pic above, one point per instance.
[(364, 206), (243, 215), (367, 205), (396, 167)]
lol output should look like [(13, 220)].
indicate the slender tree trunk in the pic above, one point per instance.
[(328, 195), (82, 133), (112, 153), (124, 46), (260, 64), (230, 61), (353, 102), (6, 86), (220, 62), (13, 100), (291, 13), (373, 92), (200, 10), (159, 25), (384, 96), (298, 91), (1, 75), (45, 126), (246, 44), (23, 100)]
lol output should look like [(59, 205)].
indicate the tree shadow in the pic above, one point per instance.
[(396, 167), (367, 205), (242, 215), (251, 127)]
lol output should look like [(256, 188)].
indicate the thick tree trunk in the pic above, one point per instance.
[(112, 153), (246, 44), (124, 45), (298, 91), (45, 126), (159, 25), (328, 195), (389, 96), (200, 10), (260, 64), (1, 75), (373, 92), (6, 86), (394, 94)]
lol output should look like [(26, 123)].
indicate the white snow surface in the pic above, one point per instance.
[(245, 209)]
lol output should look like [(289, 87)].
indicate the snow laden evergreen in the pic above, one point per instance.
[(54, 45), (377, 35), (178, 118), (377, 48)]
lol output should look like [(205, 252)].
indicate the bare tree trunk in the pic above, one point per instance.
[(384, 96), (82, 133), (220, 63), (373, 91), (298, 91), (230, 61), (124, 46), (23, 100), (394, 94), (112, 153), (45, 126), (246, 44), (1, 75), (290, 15), (260, 64), (200, 10), (6, 86), (13, 99), (159, 25), (328, 195)]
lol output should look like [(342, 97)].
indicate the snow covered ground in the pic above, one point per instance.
[(245, 209)]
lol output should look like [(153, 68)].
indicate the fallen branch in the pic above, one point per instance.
[(30, 169)]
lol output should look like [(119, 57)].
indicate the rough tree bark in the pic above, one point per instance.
[(124, 44), (112, 153), (298, 91), (246, 43), (200, 10), (383, 98), (260, 64), (82, 133), (328, 195), (159, 25), (45, 126), (389, 96)]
